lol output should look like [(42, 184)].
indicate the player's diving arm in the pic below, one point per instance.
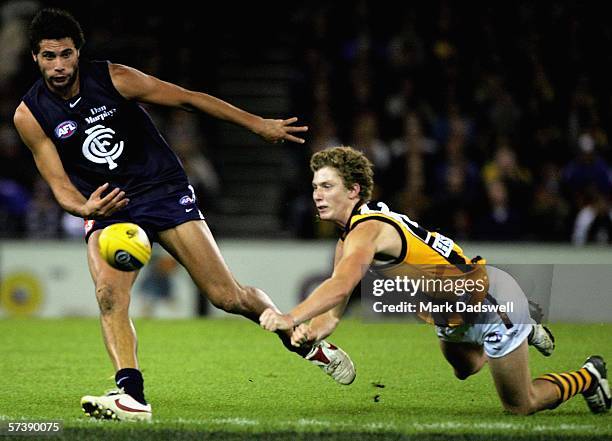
[(327, 302), (133, 84), (324, 324), (319, 327), (50, 167)]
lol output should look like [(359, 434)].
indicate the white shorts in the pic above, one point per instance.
[(498, 339)]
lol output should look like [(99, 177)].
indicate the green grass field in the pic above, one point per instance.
[(227, 379)]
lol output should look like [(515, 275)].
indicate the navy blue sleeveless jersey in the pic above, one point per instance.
[(102, 137)]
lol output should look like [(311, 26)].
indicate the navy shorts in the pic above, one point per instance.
[(154, 214)]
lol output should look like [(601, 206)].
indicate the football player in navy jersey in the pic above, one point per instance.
[(106, 162)]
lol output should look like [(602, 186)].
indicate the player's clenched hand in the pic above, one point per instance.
[(302, 334), (274, 321), (279, 130), (98, 206)]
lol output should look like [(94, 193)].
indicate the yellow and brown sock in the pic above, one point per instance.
[(569, 384)]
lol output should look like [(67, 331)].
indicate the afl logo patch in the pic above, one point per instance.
[(66, 129), (187, 200), (493, 337)]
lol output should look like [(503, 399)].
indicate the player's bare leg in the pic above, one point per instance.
[(515, 387), (113, 295), (193, 245), (465, 358), (520, 394)]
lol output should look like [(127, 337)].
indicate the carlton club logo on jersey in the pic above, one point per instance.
[(96, 146), (65, 129)]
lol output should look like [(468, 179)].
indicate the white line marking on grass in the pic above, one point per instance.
[(566, 427), (235, 421), (307, 422), (444, 425), (374, 426), (538, 427), (303, 422), (380, 426), (438, 426), (503, 426)]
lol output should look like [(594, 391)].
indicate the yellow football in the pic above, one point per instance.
[(125, 246)]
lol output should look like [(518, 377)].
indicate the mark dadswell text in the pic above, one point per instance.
[(449, 307)]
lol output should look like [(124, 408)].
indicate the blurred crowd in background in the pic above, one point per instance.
[(486, 121)]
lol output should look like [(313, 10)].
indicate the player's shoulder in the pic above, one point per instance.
[(94, 65), (369, 211), (118, 69), (368, 231), (365, 217), (124, 72), (375, 207), (22, 115), (96, 69), (34, 90), (28, 127), (106, 77), (372, 210)]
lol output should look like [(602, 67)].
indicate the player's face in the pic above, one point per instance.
[(333, 200), (58, 61)]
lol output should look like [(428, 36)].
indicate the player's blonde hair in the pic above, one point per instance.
[(352, 166)]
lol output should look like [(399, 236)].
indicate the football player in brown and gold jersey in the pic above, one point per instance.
[(376, 237)]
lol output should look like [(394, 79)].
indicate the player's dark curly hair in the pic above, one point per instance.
[(54, 24), (352, 166)]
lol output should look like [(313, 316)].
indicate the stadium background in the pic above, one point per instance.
[(489, 121)]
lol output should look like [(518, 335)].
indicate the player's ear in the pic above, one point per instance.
[(33, 56), (354, 191)]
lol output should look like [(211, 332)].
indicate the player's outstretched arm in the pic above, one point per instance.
[(359, 249), (319, 327), (50, 167), (303, 335), (135, 85), (325, 324)]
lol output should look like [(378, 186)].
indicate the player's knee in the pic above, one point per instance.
[(519, 407), (466, 369), (235, 299), (227, 300), (523, 409), (462, 374), (109, 299)]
